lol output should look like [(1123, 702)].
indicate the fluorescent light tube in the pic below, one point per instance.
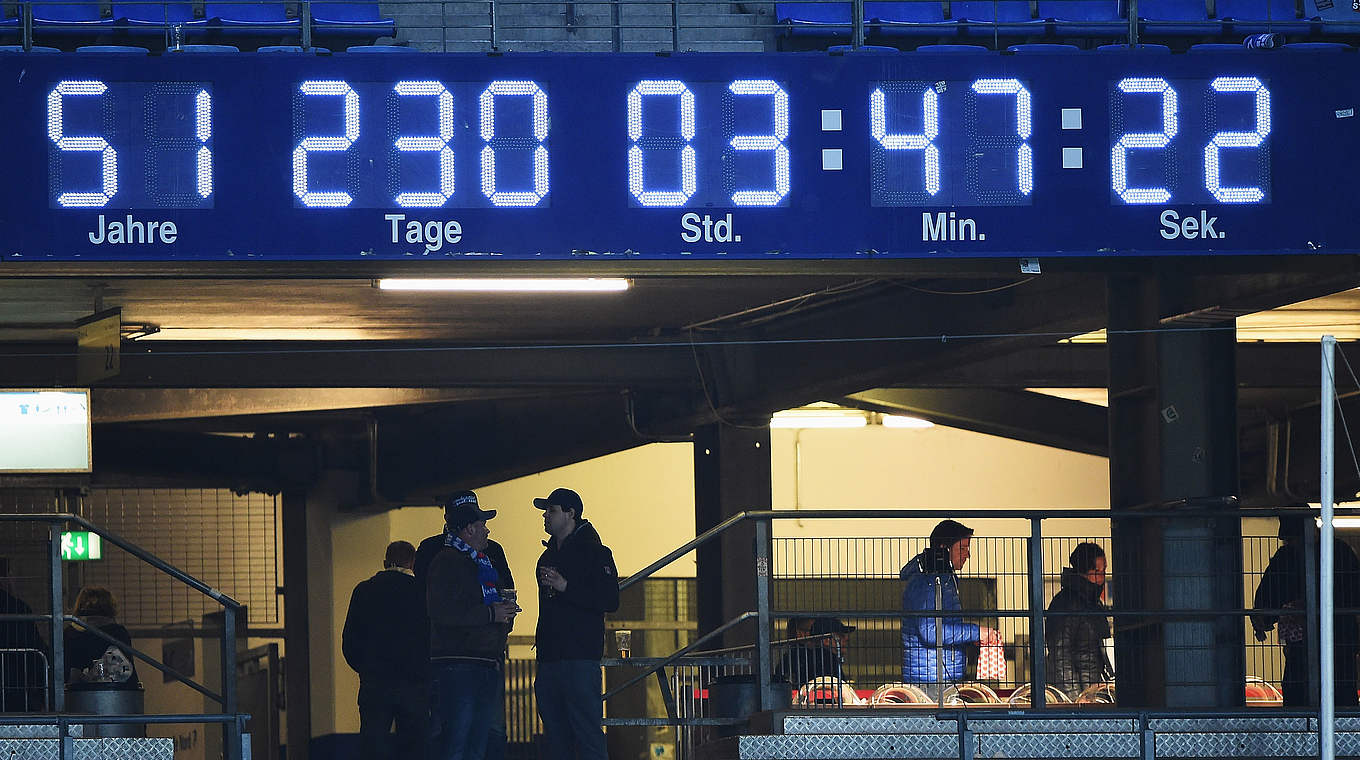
[(508, 284)]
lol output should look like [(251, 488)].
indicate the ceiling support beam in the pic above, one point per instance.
[(1019, 415)]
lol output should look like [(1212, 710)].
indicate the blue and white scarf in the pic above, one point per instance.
[(486, 572)]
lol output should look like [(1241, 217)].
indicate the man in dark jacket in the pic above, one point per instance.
[(922, 645), (425, 553), (1076, 644), (578, 584), (1283, 586), (469, 625), (384, 642)]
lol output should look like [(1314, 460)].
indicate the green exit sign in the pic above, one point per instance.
[(81, 545)]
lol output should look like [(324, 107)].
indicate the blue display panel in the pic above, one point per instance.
[(129, 144), (1190, 141), (755, 157)]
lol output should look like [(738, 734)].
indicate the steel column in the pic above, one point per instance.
[(1038, 678)]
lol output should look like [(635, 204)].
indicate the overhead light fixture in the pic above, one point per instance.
[(819, 418), (508, 284), (903, 421)]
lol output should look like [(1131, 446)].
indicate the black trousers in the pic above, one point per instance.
[(383, 703), (1295, 685)]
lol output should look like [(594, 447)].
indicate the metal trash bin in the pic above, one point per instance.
[(108, 701), (734, 696)]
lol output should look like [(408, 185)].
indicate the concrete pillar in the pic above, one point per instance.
[(731, 475), (297, 630), (1173, 441)]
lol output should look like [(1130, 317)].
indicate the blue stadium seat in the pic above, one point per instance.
[(1317, 47), (1084, 18), (266, 18), (1262, 16), (1039, 48), (1176, 18), (73, 17), (1139, 48), (953, 50), (815, 19), (380, 49), (291, 49), (117, 49), (849, 49), (359, 20), (34, 49), (910, 19), (984, 18), (1223, 47), (206, 49), (142, 19)]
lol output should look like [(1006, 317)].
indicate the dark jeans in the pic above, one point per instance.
[(568, 693), (462, 696), (381, 703), (1295, 682), (496, 741)]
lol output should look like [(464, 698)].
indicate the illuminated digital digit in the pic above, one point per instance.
[(511, 88), (923, 141), (640, 142), (1119, 171), (166, 149), (1024, 181), (72, 144), (203, 130), (773, 142), (1212, 180), (333, 144), (438, 144)]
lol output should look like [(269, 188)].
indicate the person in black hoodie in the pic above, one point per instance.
[(578, 584), (384, 642), (1076, 644), (84, 648)]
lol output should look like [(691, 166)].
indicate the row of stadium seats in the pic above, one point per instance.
[(1039, 48), (194, 20), (134, 50), (1073, 18)]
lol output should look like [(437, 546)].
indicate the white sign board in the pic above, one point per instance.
[(44, 431)]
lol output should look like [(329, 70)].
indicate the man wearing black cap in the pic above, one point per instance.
[(469, 625), (578, 584), (923, 647), (822, 655), (425, 553)]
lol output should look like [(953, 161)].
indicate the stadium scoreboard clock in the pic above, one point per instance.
[(696, 156)]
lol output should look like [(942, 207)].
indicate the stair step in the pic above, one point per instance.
[(90, 749), (37, 731)]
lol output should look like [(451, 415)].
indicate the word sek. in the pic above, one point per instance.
[(131, 231), (707, 229), (433, 234), (1191, 227)]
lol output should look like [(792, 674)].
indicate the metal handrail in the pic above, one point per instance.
[(679, 653), (130, 548), (232, 721)]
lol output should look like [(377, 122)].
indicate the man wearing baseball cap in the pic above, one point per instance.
[(578, 584), (469, 625)]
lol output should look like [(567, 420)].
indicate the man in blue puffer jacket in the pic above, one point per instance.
[(947, 553)]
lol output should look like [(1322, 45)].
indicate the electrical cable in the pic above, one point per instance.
[(928, 291)]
